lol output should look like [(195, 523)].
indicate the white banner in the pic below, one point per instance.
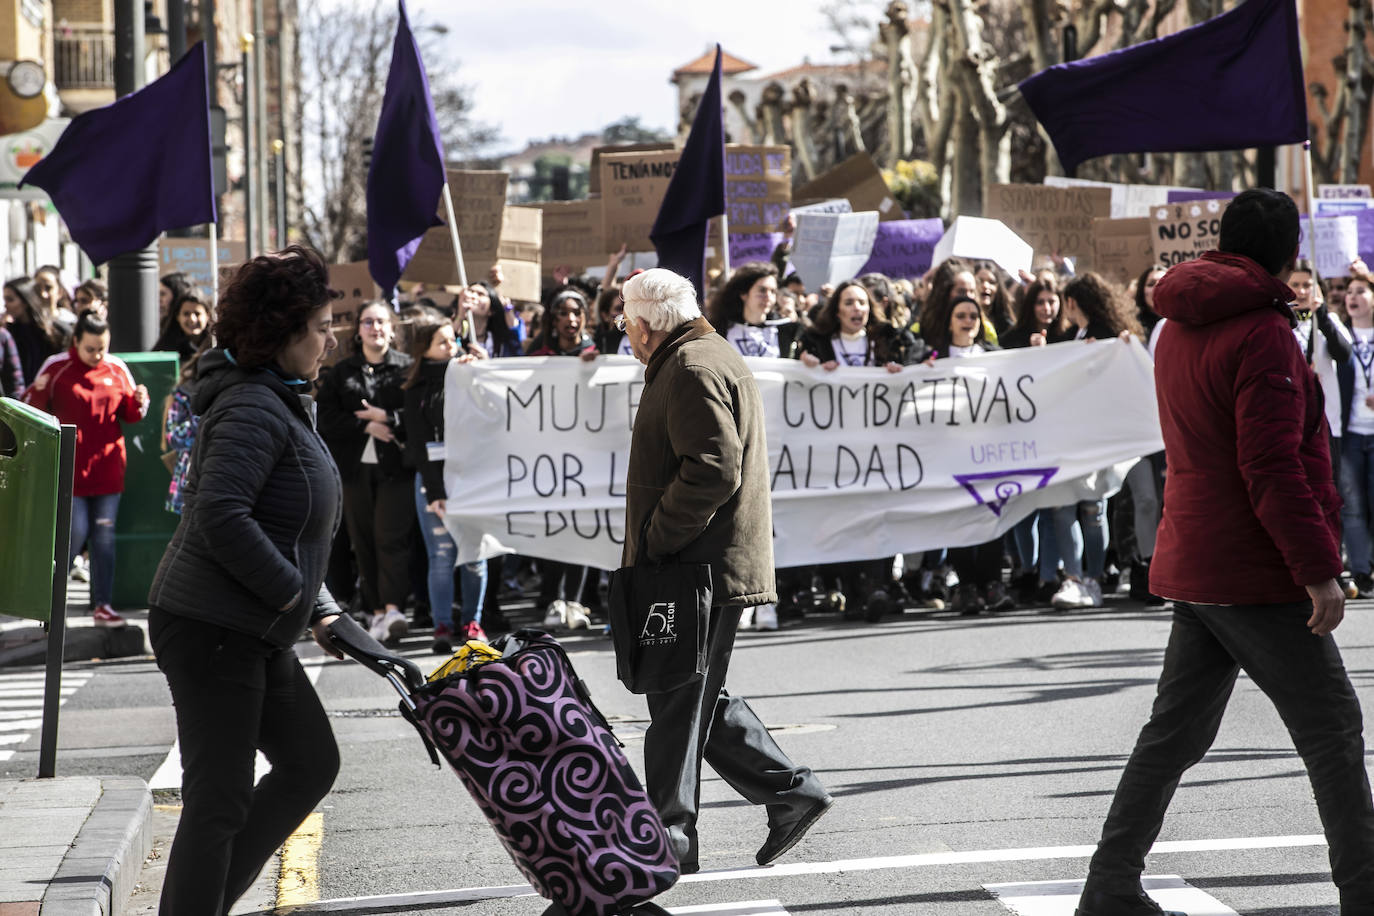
[(864, 463)]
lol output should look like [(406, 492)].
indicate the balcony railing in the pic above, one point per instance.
[(84, 56)]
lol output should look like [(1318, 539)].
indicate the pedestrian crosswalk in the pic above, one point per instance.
[(1060, 898), (21, 705)]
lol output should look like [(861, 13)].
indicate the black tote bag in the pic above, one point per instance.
[(660, 617)]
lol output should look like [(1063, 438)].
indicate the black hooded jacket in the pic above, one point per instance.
[(262, 504)]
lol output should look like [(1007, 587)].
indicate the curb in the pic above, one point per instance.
[(99, 871)]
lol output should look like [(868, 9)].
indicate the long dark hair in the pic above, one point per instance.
[(1025, 311), (548, 335), (939, 337), (502, 335), (1143, 312), (38, 313), (1000, 310), (171, 325), (422, 330), (1102, 303), (727, 306), (941, 291)]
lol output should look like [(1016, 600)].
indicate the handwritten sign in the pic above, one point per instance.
[(1122, 248), (903, 248), (1182, 232), (479, 201), (758, 187), (1337, 244), (571, 235), (192, 257), (632, 189), (1052, 220), (522, 236), (1343, 191), (857, 180), (831, 247)]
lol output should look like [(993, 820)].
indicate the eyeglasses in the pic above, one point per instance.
[(374, 322), (619, 320)]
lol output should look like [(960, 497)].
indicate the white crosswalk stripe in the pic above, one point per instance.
[(21, 705), (1060, 898)]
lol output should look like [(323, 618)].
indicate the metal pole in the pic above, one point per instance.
[(725, 249), (279, 153), (250, 202), (57, 616), (176, 29), (260, 127), (133, 275)]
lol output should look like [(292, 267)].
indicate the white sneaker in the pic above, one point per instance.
[(746, 619), (578, 617), (766, 617), (377, 629), (1070, 595), (80, 571), (1092, 593), (394, 625), (557, 615)]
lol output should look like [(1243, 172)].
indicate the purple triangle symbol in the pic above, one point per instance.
[(994, 488)]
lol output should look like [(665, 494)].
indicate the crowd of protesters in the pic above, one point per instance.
[(380, 411)]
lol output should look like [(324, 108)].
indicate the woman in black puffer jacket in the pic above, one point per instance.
[(242, 579)]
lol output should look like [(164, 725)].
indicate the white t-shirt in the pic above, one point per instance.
[(625, 348), (972, 349), (754, 341), (1362, 355), (1325, 367), (851, 349)]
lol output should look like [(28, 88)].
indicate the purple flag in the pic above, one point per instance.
[(696, 192), (407, 174), (123, 174), (1232, 82)]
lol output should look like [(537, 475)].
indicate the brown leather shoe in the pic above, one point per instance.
[(785, 834)]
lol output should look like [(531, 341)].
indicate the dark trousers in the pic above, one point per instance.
[(980, 565), (1303, 676), (702, 720), (235, 695), (560, 581), (380, 514)]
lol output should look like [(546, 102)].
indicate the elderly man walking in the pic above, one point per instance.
[(698, 476), (1249, 552)]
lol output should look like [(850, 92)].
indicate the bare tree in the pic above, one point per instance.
[(345, 56)]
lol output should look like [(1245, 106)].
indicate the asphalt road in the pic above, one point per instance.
[(962, 753)]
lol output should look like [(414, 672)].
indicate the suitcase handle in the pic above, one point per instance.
[(355, 642)]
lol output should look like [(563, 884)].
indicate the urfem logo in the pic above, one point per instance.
[(660, 627)]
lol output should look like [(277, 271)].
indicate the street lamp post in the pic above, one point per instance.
[(250, 191)]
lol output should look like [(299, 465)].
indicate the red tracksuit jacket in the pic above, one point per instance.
[(1250, 512), (94, 399)]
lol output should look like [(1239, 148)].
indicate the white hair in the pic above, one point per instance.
[(660, 297)]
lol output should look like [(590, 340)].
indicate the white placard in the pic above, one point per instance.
[(831, 247), (1338, 243), (1128, 200), (986, 239), (863, 463), (1343, 191)]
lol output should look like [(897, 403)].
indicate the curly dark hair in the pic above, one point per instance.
[(268, 301), (1100, 301), (727, 306)]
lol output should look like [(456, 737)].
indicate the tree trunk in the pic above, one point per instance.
[(803, 146), (901, 80), (976, 67), (967, 190), (1356, 94), (934, 97)]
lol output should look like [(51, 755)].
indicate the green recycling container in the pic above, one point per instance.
[(144, 525), (30, 447)]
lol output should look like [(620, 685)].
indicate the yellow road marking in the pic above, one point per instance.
[(299, 881)]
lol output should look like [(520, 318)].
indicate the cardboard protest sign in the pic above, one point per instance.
[(903, 248), (1182, 232), (1184, 195), (1335, 207), (753, 247), (1052, 220), (1128, 200), (834, 205), (1364, 224), (632, 190), (1343, 191), (1337, 244), (350, 285), (479, 201), (1122, 248), (522, 236), (831, 247), (571, 235), (859, 181), (594, 173), (758, 187), (192, 257), (984, 239)]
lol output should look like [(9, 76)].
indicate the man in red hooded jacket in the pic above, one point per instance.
[(1249, 552)]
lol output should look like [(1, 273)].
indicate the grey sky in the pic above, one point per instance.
[(550, 67)]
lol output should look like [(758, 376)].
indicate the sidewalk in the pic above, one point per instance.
[(72, 846)]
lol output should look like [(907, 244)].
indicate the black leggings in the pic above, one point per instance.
[(380, 514), (235, 695)]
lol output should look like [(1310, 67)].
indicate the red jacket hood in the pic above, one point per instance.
[(1218, 286)]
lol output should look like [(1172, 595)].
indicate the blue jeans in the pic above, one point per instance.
[(442, 553), (1357, 483), (1034, 538), (1082, 546), (93, 519)]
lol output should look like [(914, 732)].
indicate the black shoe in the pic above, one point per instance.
[(1096, 903), (787, 833), (1045, 592), (997, 598), (1154, 601), (1140, 581), (878, 604), (967, 601), (1365, 583), (421, 619)]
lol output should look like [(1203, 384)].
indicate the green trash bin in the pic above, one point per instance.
[(30, 443), (144, 526)]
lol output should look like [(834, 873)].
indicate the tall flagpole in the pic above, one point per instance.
[(214, 265), (1311, 236), (453, 234), (725, 247)]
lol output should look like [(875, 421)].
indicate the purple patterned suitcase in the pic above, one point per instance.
[(540, 761)]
